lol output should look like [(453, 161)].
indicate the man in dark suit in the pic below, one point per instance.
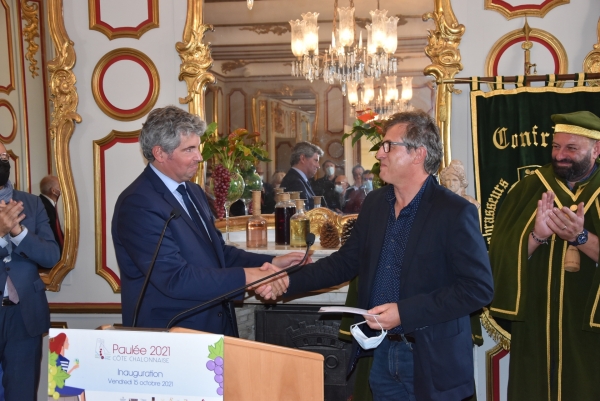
[(193, 264), (305, 163), (26, 242), (422, 267), (50, 192)]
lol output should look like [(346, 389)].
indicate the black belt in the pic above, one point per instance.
[(401, 337), (7, 302)]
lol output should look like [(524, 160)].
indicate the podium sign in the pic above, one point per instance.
[(115, 365)]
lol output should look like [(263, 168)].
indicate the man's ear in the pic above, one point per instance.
[(158, 153), (420, 155), (596, 150)]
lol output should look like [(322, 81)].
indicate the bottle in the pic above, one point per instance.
[(284, 209), (299, 225), (256, 227)]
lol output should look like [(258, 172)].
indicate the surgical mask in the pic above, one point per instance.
[(339, 189), (329, 171), (364, 341), (369, 185)]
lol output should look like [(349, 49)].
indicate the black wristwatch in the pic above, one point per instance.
[(581, 238)]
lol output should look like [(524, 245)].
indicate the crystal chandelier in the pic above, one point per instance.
[(345, 62), (386, 103)]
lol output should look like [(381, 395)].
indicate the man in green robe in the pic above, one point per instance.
[(552, 306)]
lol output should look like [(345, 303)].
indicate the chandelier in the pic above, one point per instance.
[(345, 62), (385, 103)]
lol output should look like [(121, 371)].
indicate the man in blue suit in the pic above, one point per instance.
[(26, 242), (422, 267), (305, 163), (193, 264)]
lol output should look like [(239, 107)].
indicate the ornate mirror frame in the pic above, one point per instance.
[(442, 50), (64, 101)]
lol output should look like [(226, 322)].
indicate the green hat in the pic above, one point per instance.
[(581, 123)]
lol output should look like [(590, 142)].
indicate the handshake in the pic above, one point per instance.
[(275, 287)]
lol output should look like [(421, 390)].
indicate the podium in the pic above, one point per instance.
[(259, 371)]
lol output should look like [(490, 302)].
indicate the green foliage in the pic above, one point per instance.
[(238, 148), (371, 131), (216, 349)]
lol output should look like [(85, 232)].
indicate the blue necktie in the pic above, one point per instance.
[(191, 209)]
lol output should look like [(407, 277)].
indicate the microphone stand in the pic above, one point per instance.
[(310, 240), (175, 213)]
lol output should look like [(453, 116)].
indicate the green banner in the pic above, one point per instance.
[(512, 136)]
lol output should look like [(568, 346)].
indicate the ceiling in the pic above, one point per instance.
[(256, 43)]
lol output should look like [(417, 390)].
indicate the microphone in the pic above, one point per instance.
[(175, 213), (310, 240)]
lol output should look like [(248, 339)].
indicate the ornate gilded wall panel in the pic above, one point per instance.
[(11, 133), (64, 98), (7, 80), (98, 84), (513, 9), (591, 62), (114, 32)]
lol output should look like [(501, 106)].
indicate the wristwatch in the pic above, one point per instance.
[(581, 238)]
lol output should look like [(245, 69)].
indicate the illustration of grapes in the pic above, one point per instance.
[(215, 363)]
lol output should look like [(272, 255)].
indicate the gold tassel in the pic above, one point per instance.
[(572, 259)]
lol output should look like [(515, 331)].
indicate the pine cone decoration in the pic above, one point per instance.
[(329, 235), (347, 229)]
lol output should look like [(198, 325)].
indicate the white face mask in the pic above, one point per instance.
[(364, 341), (369, 185), (329, 171), (339, 189)]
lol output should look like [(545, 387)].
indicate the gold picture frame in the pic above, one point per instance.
[(100, 205), (530, 10), (144, 61), (111, 33)]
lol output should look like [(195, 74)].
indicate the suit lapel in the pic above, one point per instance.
[(215, 240), (417, 227), (161, 188)]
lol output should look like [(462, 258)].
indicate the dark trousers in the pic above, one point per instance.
[(20, 355)]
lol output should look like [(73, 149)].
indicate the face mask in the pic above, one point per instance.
[(329, 171), (364, 341), (339, 189), (4, 172), (369, 185), (262, 177)]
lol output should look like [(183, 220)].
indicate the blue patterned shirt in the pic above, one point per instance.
[(387, 278)]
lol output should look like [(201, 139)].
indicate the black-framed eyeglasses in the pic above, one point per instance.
[(386, 145), (4, 157)]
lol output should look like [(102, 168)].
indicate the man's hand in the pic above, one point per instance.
[(565, 223), (290, 259), (269, 289), (544, 211), (11, 215), (389, 317)]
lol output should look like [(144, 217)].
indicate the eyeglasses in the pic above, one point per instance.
[(4, 157), (386, 145)]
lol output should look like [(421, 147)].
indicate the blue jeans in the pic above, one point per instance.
[(392, 373)]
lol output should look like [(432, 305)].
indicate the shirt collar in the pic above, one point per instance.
[(168, 181), (301, 174), (51, 201), (414, 203)]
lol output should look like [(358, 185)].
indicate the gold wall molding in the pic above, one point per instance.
[(196, 60), (141, 59), (442, 50), (538, 37), (30, 14), (13, 132), (10, 86), (100, 145), (509, 11), (591, 62), (229, 66), (64, 98), (264, 29), (111, 33)]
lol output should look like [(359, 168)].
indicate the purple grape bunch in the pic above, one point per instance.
[(216, 366)]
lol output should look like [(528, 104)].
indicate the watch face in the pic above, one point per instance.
[(582, 238)]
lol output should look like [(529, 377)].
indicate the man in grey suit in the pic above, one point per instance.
[(26, 242), (423, 269)]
